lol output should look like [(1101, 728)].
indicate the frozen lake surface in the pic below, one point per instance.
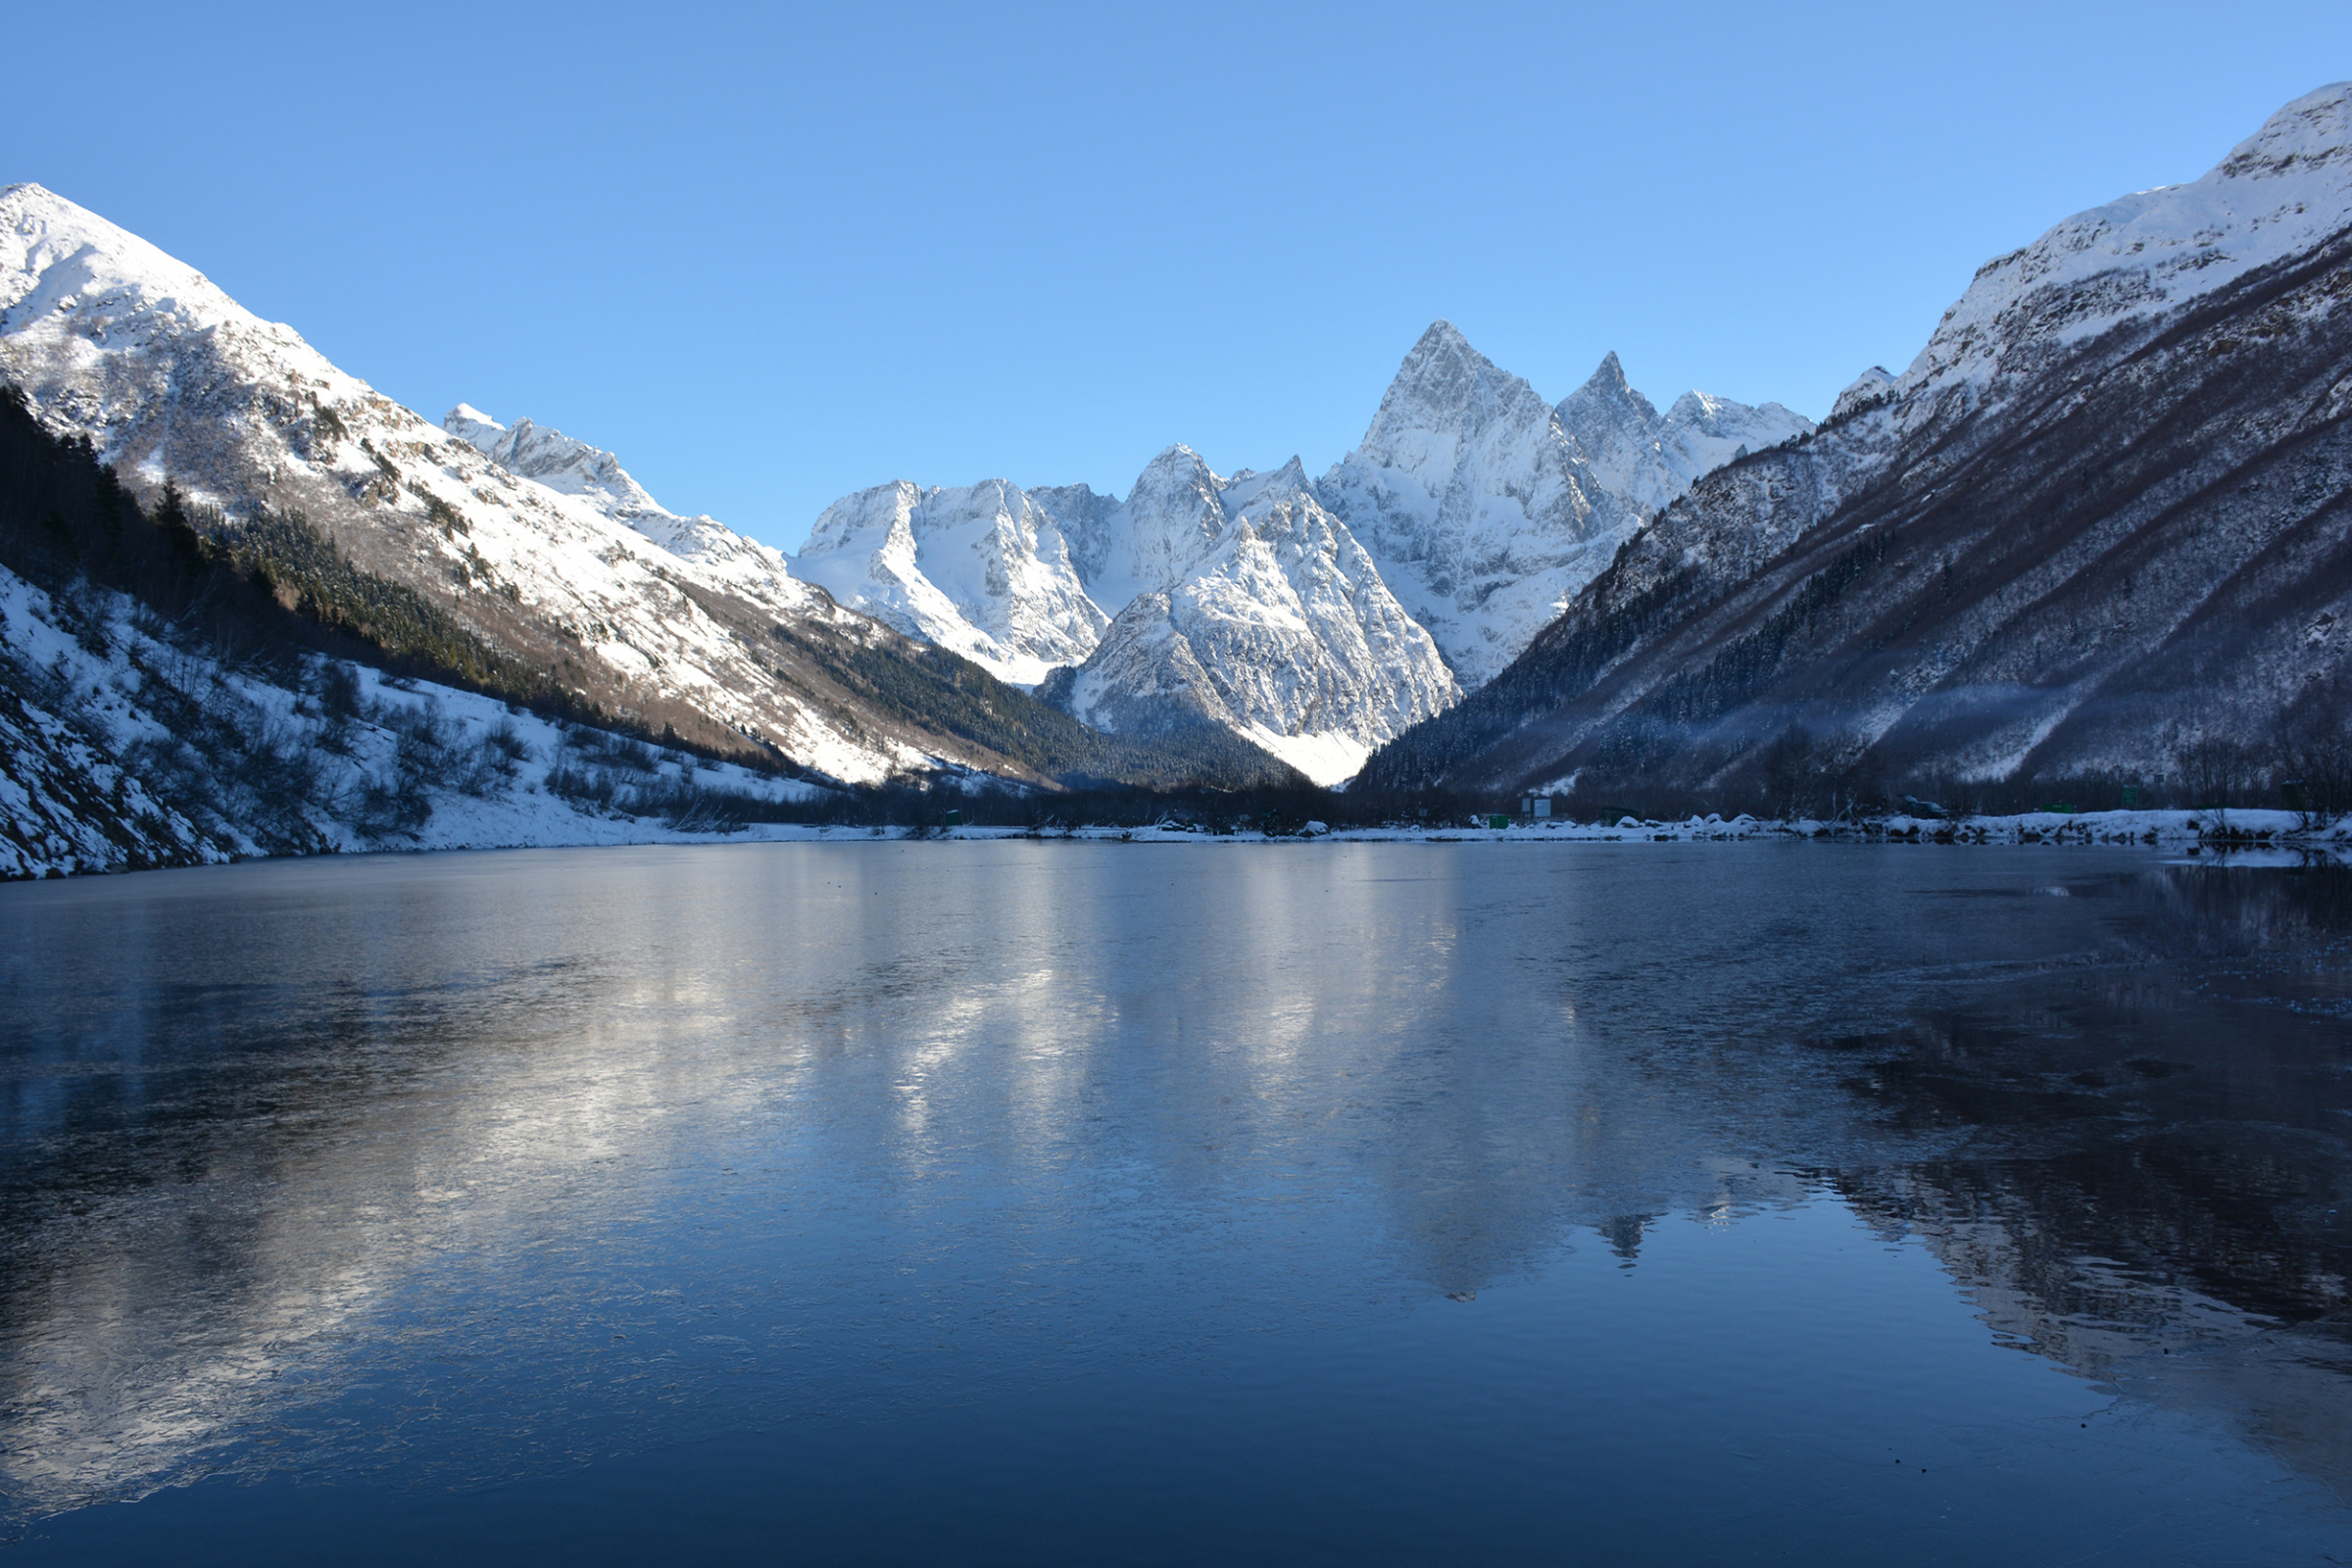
[(1018, 1201)]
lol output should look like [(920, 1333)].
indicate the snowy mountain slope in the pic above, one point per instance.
[(983, 570), (2105, 516), (1486, 508), (172, 379), (1250, 606), (121, 750), (66, 801), (594, 475), (2279, 194), (1171, 520)]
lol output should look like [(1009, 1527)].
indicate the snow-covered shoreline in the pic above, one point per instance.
[(124, 748), (2215, 831), (2235, 838)]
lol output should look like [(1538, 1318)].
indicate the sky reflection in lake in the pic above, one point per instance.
[(1018, 1200)]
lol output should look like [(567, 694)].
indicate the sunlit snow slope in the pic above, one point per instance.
[(547, 550)]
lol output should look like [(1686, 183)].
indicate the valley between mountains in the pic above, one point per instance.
[(2098, 532)]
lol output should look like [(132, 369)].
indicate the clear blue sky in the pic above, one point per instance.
[(772, 255)]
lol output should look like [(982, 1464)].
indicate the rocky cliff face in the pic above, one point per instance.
[(1476, 503), (1651, 459), (1487, 509), (1255, 608), (2103, 515)]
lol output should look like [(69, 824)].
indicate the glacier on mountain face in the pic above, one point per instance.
[(983, 570), (1486, 508)]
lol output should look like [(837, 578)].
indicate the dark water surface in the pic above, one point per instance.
[(1050, 1202)]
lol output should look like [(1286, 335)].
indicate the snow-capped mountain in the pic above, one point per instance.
[(1241, 602), (1296, 614), (2277, 195), (1649, 459), (983, 570), (2100, 520), (1470, 513), (1476, 505), (1248, 604), (548, 552), (1486, 507)]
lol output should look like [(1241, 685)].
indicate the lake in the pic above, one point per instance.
[(1059, 1201)]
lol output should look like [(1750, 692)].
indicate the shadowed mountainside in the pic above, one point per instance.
[(2095, 525)]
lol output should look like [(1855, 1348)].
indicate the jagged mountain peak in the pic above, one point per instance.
[(1608, 379), (77, 292), (984, 570), (1606, 395), (1439, 337), (1248, 489), (1697, 414), (1696, 407), (1178, 489), (2097, 524), (559, 461), (1447, 386), (1175, 458), (472, 427), (1243, 603), (1475, 504), (1486, 507)]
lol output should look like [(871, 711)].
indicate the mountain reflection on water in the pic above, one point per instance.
[(458, 1170)]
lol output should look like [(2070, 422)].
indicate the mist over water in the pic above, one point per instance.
[(1289, 1203)]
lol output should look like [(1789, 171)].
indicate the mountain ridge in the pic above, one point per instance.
[(1474, 558), (2096, 525), (566, 569)]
